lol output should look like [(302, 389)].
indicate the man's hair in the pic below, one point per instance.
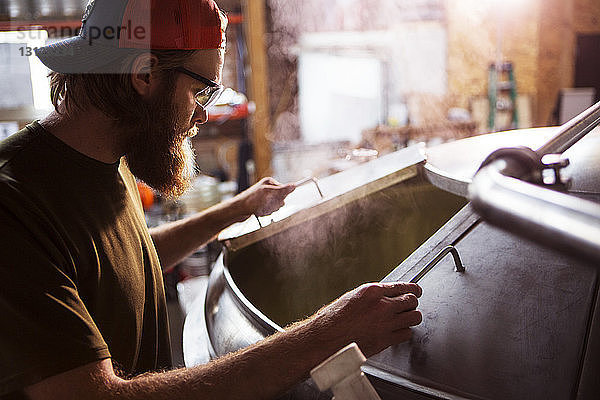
[(112, 94)]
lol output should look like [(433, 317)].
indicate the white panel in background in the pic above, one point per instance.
[(574, 101), (346, 78), (15, 77), (339, 96), (23, 78)]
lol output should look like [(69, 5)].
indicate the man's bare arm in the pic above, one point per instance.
[(176, 240), (373, 315)]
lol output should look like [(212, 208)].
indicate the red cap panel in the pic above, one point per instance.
[(173, 24)]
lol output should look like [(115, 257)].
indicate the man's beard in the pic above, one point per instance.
[(160, 152)]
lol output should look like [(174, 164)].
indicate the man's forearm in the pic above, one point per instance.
[(176, 240), (270, 367), (252, 373), (373, 315), (262, 371)]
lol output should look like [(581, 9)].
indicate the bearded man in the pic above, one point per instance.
[(81, 297)]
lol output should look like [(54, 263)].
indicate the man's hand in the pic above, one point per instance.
[(176, 240), (262, 198), (374, 315)]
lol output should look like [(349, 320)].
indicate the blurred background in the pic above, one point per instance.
[(313, 81)]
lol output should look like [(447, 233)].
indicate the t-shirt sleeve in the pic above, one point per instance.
[(46, 328)]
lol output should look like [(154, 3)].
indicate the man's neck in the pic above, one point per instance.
[(90, 133)]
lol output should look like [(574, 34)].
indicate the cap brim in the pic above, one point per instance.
[(77, 56)]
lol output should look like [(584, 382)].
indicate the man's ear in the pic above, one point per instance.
[(144, 77)]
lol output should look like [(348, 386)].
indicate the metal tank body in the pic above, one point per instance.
[(520, 321)]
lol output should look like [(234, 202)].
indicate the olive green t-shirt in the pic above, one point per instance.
[(80, 279)]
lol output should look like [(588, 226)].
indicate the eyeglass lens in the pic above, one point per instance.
[(208, 96)]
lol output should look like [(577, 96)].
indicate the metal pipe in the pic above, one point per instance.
[(546, 216), (573, 130), (551, 218)]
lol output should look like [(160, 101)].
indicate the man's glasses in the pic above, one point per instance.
[(207, 96)]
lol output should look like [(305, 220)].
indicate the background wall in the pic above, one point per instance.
[(539, 37)]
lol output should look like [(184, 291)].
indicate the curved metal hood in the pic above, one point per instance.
[(451, 166)]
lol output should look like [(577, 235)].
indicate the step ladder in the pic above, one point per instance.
[(502, 96)]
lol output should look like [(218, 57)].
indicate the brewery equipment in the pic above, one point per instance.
[(509, 300)]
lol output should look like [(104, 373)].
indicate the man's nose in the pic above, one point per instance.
[(200, 115)]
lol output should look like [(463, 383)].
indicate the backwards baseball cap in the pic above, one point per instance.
[(114, 29)]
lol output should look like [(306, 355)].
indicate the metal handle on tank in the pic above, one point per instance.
[(299, 183), (448, 249), (313, 180)]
